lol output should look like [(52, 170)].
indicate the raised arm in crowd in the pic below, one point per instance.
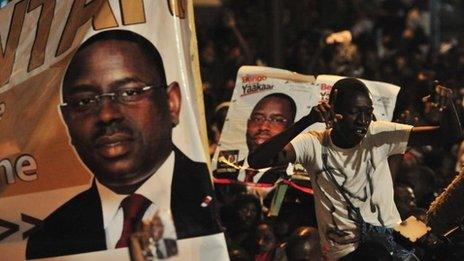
[(279, 150)]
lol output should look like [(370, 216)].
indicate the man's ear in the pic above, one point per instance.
[(174, 102)]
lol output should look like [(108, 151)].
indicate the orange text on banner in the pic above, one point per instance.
[(25, 168), (99, 11)]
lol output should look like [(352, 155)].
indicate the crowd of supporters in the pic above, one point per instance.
[(391, 42)]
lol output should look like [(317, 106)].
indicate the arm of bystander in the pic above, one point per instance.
[(449, 129)]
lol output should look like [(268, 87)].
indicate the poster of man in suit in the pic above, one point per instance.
[(272, 102), (119, 112), (102, 129)]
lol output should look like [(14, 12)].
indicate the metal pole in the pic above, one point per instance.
[(277, 59), (435, 24)]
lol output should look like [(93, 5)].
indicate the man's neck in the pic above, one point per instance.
[(341, 140)]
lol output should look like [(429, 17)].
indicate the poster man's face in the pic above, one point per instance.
[(120, 141), (270, 117)]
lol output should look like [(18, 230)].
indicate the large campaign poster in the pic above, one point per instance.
[(265, 102), (100, 102)]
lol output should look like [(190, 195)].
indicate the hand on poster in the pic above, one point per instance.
[(323, 112)]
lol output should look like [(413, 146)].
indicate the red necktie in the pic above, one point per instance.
[(134, 207), (249, 174)]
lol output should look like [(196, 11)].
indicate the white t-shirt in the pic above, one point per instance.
[(363, 172)]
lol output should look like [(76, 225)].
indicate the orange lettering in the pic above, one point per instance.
[(7, 57), (81, 13), (42, 32), (132, 12), (105, 18)]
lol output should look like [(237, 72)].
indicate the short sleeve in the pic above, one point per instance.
[(304, 146), (392, 136)]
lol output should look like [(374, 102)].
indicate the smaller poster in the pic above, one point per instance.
[(265, 102)]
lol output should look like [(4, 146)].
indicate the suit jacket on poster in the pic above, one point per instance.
[(77, 226)]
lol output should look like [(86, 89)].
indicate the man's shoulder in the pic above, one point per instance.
[(185, 168), (311, 137), (190, 178), (74, 227), (192, 198), (73, 208)]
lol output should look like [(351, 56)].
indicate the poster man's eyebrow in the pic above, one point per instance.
[(257, 113), (80, 88), (126, 80), (269, 115), (77, 88)]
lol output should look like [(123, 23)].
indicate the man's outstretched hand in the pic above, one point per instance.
[(440, 98)]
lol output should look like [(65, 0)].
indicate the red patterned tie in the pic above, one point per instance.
[(249, 174), (134, 207)]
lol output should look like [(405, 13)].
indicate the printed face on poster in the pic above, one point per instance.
[(96, 107), (265, 102)]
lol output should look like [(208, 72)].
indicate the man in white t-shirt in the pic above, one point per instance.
[(348, 164)]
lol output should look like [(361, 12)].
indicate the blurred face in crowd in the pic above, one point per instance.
[(405, 200), (304, 245), (357, 115), (265, 238), (271, 116), (248, 214), (116, 137)]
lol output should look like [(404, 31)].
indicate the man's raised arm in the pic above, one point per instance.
[(278, 150), (449, 129)]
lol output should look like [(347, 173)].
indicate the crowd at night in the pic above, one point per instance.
[(334, 129), (392, 42)]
